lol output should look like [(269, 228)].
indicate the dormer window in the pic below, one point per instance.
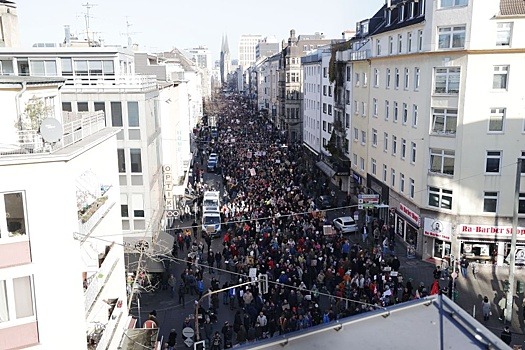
[(411, 8), (401, 12), (388, 17), (364, 28)]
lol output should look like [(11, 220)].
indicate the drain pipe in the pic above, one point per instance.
[(17, 103)]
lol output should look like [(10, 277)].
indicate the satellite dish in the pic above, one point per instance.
[(51, 130)]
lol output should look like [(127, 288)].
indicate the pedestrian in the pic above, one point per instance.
[(463, 263), (172, 339), (503, 307), (216, 341), (506, 335), (172, 284), (364, 234), (485, 307), (182, 292), (474, 266)]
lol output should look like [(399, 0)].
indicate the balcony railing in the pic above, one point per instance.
[(99, 209), (99, 279), (77, 126), (112, 83), (351, 55), (110, 327)]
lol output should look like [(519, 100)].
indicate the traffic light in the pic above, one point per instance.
[(520, 286), (263, 283)]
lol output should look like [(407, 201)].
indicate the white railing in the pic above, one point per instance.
[(360, 55), (112, 83), (83, 125), (100, 278), (85, 228), (109, 330)]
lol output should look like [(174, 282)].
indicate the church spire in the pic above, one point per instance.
[(225, 48)]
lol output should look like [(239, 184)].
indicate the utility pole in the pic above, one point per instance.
[(512, 255)]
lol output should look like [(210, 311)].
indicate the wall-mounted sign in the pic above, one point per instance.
[(168, 187), (438, 229)]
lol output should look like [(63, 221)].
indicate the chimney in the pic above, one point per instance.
[(67, 33)]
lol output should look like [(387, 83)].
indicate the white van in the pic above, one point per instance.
[(211, 222), (211, 201)]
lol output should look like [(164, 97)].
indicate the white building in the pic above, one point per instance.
[(59, 223), (247, 45), (441, 127)]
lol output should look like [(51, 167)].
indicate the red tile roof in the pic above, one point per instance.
[(512, 7)]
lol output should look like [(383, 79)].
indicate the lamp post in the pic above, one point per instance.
[(197, 303)]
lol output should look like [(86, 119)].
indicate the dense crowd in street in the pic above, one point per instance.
[(271, 223)]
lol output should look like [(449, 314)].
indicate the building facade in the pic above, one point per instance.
[(247, 49)]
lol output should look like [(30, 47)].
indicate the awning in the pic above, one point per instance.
[(325, 168), (164, 243), (150, 264)]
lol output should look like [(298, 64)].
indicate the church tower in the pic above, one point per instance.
[(225, 64)]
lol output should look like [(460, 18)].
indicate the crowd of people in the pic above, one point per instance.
[(271, 223)]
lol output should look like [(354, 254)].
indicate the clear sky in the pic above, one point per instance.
[(160, 25)]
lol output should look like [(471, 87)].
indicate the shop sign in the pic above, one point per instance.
[(367, 200), (489, 230), (168, 187), (410, 214), (437, 229)]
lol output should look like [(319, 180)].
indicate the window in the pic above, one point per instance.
[(121, 160), (116, 114), (82, 107), (348, 73), (363, 137), (14, 223), (409, 42), (374, 107), (399, 43), (503, 33), (390, 45), (137, 202), (374, 137), (388, 78), (100, 106), (405, 113), (442, 161), (325, 72), (490, 202), (329, 109), (324, 125), (6, 66), (402, 183), (500, 79), (324, 90), (412, 189), (365, 80), (66, 107), (347, 120), (493, 161), (387, 109), (444, 121), (330, 128), (385, 142), (355, 159), (135, 160), (356, 79), (324, 141), (521, 203), (396, 78), (413, 152), (417, 77), (395, 112), (374, 166), (363, 109), (376, 77), (452, 3), (522, 162), (44, 68), (356, 134), (419, 40), (347, 97), (124, 207), (447, 80), (403, 148), (378, 47), (330, 91), (394, 145), (414, 116), (384, 172), (406, 79), (451, 37), (16, 298), (356, 109), (392, 177), (496, 119), (439, 198), (362, 163)]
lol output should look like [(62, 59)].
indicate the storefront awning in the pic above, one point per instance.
[(150, 264), (325, 168)]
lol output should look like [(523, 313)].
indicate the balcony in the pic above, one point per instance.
[(90, 216), (100, 335), (96, 282), (77, 126), (111, 83), (340, 163)]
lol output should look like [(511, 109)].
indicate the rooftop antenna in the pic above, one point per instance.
[(88, 7), (128, 33)]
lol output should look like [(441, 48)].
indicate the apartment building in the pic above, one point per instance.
[(60, 242), (247, 50), (443, 122)]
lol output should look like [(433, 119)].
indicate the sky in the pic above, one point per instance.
[(161, 25)]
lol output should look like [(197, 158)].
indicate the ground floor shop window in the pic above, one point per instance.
[(479, 251), (441, 249)]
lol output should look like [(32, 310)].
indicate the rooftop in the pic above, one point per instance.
[(512, 7)]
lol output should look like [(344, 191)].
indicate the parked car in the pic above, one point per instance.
[(212, 165), (345, 224), (324, 202)]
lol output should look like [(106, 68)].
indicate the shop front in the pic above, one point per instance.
[(438, 239), (407, 224), (490, 244)]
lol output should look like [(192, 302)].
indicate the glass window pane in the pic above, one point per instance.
[(23, 297), (116, 114), (433, 200), (4, 309), (108, 67), (67, 65), (95, 67), (136, 162), (133, 114), (121, 160), (14, 213), (37, 68), (81, 68), (51, 68)]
